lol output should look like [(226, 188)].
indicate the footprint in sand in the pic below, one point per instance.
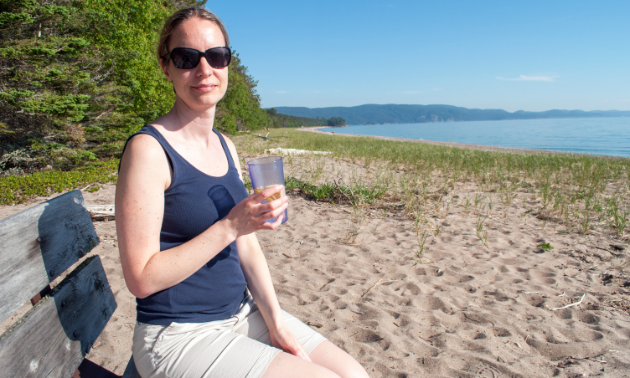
[(501, 332), (536, 301), (585, 317), (367, 336), (500, 297), (433, 303), (411, 288), (421, 272), (466, 278), (470, 289)]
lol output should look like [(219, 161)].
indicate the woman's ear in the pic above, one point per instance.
[(165, 69)]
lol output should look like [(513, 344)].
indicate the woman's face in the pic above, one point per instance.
[(201, 87)]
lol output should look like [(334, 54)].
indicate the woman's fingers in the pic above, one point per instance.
[(270, 193), (276, 211), (279, 213), (287, 342), (271, 209), (294, 347), (300, 352), (251, 216)]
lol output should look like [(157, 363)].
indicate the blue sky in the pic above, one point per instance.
[(512, 55)]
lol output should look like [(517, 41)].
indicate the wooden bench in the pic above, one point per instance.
[(52, 339)]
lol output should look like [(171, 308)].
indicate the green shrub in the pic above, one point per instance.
[(17, 189)]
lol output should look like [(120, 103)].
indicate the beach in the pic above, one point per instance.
[(330, 130), (427, 297)]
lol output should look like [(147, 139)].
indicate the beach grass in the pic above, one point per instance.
[(581, 192)]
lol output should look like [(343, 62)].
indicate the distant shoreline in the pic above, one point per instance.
[(436, 113), (479, 147)]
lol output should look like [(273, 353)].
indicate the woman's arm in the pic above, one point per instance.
[(143, 178), (254, 265), (256, 270)]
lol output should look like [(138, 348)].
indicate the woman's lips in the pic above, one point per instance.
[(205, 88)]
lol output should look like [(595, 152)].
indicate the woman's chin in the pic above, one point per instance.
[(203, 102)]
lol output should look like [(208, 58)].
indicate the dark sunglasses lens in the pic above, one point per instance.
[(185, 58), (219, 57)]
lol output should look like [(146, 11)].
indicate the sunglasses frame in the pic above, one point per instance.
[(200, 55)]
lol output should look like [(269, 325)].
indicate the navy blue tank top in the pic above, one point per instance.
[(193, 202)]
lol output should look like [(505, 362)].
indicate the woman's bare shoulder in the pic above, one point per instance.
[(144, 156), (143, 143)]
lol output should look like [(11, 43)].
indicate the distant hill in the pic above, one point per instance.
[(391, 113), (284, 120)]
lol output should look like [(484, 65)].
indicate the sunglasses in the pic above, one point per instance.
[(187, 58)]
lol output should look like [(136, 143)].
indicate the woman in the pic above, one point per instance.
[(205, 300)]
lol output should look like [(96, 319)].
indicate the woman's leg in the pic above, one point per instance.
[(334, 359), (286, 365), (328, 362)]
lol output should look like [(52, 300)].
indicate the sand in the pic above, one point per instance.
[(460, 308)]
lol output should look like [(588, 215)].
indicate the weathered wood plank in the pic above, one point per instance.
[(52, 339), (131, 371), (102, 212), (39, 244)]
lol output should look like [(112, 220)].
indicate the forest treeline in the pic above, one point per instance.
[(79, 76), (392, 113), (284, 120)]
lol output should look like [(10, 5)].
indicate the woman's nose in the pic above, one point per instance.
[(204, 68)]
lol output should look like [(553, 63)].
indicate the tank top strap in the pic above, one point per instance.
[(226, 149)]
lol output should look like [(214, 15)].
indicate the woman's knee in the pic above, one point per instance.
[(335, 359), (285, 365)]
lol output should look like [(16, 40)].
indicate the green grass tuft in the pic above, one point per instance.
[(336, 193)]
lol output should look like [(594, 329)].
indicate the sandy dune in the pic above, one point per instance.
[(461, 308)]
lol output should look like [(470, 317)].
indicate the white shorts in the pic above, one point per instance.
[(237, 347)]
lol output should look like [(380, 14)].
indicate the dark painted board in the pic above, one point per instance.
[(66, 233), (131, 371), (52, 339)]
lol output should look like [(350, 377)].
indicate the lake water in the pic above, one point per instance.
[(597, 136)]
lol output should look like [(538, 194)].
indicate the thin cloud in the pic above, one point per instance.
[(528, 78)]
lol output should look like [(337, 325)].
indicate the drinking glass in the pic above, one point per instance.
[(267, 172)]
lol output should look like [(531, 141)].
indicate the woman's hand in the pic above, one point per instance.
[(282, 338), (250, 215)]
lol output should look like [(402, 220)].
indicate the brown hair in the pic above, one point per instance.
[(177, 19)]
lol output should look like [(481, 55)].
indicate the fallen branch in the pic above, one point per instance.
[(570, 305)]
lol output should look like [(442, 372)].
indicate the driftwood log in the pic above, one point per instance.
[(102, 212)]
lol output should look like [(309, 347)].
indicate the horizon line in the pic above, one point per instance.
[(462, 107)]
